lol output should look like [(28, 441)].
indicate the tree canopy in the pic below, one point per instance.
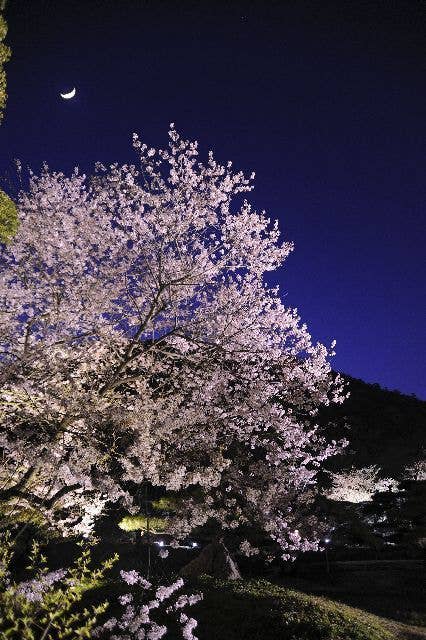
[(141, 344)]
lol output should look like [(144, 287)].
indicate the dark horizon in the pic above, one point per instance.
[(325, 104)]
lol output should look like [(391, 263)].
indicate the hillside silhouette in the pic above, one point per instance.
[(384, 428)]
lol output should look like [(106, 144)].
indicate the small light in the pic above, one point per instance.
[(194, 544), (327, 540), (160, 543)]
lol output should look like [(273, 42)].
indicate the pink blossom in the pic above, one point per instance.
[(125, 599), (130, 577)]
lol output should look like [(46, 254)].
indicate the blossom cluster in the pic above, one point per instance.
[(359, 485), (34, 590), (136, 623)]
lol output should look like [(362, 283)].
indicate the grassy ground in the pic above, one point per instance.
[(391, 590), (260, 610)]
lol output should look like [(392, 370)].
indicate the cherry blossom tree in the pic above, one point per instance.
[(416, 471), (140, 343), (359, 485)]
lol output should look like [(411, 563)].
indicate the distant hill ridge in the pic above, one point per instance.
[(386, 428)]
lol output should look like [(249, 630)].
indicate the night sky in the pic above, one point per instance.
[(325, 101)]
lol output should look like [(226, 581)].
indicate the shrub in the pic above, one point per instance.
[(47, 604)]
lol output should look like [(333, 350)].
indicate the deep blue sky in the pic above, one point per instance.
[(325, 101)]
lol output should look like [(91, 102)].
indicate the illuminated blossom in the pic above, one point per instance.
[(136, 623), (359, 485)]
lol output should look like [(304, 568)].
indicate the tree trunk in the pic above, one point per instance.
[(214, 560)]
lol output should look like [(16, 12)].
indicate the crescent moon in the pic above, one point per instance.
[(67, 96)]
